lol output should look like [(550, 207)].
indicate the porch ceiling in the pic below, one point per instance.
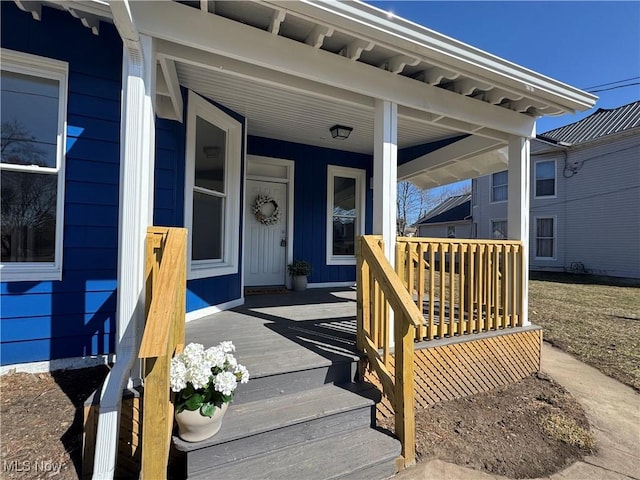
[(273, 111)]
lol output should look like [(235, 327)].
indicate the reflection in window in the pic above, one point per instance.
[(208, 192), (344, 215), (499, 229), (345, 192), (32, 103), (499, 187)]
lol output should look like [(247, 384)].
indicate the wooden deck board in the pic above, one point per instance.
[(285, 332)]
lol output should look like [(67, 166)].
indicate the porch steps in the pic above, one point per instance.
[(314, 423)]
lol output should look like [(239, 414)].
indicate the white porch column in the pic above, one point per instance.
[(137, 155), (518, 208), (385, 181), (385, 175)]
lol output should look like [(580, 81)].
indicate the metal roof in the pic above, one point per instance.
[(601, 123), (453, 209)]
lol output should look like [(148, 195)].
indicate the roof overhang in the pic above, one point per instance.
[(293, 69)]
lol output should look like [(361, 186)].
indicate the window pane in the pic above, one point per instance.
[(499, 230), (499, 194), (545, 227), (544, 247), (499, 190), (344, 235), (545, 178), (545, 170), (28, 217), (545, 188), (29, 112), (210, 156), (206, 230), (344, 196)]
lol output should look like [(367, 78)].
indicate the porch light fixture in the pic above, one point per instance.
[(340, 131)]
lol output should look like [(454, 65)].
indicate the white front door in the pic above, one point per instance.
[(266, 245)]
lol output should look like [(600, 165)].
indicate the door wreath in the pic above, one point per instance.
[(261, 201)]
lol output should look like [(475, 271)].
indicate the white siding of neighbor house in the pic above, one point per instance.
[(485, 211), (439, 230), (596, 210), (602, 208)]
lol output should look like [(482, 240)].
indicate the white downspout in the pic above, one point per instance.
[(137, 153)]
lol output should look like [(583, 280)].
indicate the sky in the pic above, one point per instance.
[(582, 43)]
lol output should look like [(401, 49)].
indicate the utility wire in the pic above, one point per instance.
[(610, 83), (613, 88)]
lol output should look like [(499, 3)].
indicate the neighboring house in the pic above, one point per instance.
[(585, 196), (121, 115), (450, 219)]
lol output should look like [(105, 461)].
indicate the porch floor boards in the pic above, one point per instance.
[(285, 332), (302, 414)]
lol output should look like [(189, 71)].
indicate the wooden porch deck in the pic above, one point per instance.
[(275, 333)]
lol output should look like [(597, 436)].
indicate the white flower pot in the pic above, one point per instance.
[(299, 283), (194, 427)]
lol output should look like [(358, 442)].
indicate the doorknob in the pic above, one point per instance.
[(283, 243)]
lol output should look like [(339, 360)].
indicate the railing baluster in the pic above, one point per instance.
[(422, 330), (432, 290), (452, 285), (442, 300), (464, 326)]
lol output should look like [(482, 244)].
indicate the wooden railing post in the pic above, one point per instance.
[(362, 296), (166, 257), (404, 389)]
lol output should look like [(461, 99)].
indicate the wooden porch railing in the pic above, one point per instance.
[(380, 289), (462, 286), (166, 274)]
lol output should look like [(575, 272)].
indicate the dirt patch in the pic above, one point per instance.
[(516, 431), (531, 429), (41, 418)]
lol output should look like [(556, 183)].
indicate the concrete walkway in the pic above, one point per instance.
[(613, 410)]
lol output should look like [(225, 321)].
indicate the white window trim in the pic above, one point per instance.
[(37, 66), (491, 200), (228, 265), (555, 237), (535, 179), (360, 178), (496, 220)]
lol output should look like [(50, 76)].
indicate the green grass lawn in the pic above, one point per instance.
[(597, 322)]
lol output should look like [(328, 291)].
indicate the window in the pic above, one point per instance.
[(345, 213), (451, 231), (212, 189), (546, 179), (499, 229), (499, 186), (33, 112), (545, 237)]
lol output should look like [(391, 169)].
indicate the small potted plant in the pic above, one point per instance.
[(299, 270), (204, 382)]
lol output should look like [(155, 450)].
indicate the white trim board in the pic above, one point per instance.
[(331, 284), (205, 312), (72, 363)]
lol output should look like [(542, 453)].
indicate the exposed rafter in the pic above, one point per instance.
[(435, 75), (170, 83), (356, 47), (276, 20), (88, 20), (396, 64), (317, 35), (34, 8)]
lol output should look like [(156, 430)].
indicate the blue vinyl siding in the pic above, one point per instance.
[(75, 316), (310, 200)]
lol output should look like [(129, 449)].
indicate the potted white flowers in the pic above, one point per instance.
[(299, 270), (204, 381)]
